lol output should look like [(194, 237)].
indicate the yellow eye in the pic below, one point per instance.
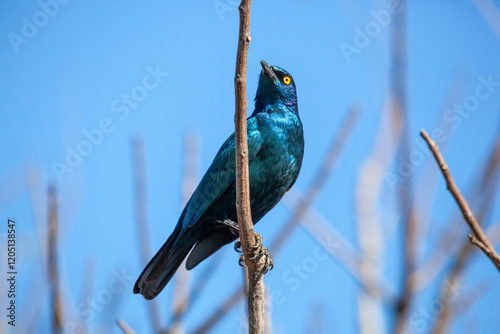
[(286, 80)]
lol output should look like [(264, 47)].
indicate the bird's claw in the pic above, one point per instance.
[(258, 252), (237, 247)]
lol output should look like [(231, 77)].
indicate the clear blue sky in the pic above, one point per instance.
[(68, 68)]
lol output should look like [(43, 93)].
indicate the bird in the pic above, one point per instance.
[(209, 219)]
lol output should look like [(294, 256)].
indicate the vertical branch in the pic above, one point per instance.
[(247, 236), (57, 317), (181, 299), (141, 219), (87, 289), (405, 193)]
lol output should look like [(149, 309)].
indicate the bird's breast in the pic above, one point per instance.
[(277, 164)]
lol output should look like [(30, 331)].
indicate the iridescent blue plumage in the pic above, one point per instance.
[(275, 151)]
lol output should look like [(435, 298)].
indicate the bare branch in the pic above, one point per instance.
[(448, 243), (483, 199), (462, 203), (245, 224)]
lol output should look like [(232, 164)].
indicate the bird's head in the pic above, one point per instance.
[(276, 86)]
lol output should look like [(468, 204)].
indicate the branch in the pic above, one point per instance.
[(483, 199), (462, 203), (341, 250), (245, 224), (57, 317), (482, 193)]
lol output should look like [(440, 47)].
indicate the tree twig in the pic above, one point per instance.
[(462, 203), (482, 199), (245, 224), (447, 244)]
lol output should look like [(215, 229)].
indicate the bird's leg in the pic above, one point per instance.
[(258, 252), (233, 226)]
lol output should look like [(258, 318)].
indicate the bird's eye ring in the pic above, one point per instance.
[(286, 80)]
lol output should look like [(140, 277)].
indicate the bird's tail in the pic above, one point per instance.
[(164, 264)]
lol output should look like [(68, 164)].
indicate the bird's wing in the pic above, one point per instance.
[(220, 175)]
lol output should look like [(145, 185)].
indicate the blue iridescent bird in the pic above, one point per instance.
[(275, 151)]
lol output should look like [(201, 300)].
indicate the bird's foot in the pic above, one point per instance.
[(258, 252), (233, 226)]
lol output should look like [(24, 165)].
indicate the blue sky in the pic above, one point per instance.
[(66, 71)]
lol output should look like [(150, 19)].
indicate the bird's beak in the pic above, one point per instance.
[(268, 70)]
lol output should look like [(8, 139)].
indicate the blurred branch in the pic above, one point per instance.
[(40, 279), (182, 292), (427, 185), (198, 286), (315, 322), (220, 312), (490, 13), (472, 296), (141, 218), (370, 227), (405, 189), (87, 288), (341, 250), (57, 313), (479, 239), (124, 327)]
